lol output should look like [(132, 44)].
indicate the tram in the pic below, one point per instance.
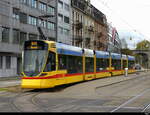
[(47, 64)]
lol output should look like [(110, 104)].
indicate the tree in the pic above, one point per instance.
[(142, 58), (143, 45)]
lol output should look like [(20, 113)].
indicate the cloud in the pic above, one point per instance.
[(127, 14), (132, 38)]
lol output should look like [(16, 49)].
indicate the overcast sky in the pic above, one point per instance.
[(131, 16)]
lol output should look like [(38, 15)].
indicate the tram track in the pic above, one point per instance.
[(138, 77), (127, 90), (21, 101), (132, 100), (146, 107), (25, 101)]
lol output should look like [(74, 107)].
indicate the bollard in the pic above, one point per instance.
[(126, 72)]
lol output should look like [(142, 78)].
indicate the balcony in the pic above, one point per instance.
[(87, 40), (79, 4), (78, 38), (79, 25), (100, 45), (99, 34), (95, 42), (90, 28)]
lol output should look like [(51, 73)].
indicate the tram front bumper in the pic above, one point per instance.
[(36, 84)]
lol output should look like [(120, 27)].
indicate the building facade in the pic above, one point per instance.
[(73, 22), (18, 22), (64, 18), (100, 41), (114, 44), (89, 26)]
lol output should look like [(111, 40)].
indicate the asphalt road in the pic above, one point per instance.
[(112, 94)]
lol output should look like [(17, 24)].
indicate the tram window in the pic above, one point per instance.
[(131, 65), (62, 62), (89, 65), (98, 65), (101, 64), (51, 62), (105, 63), (116, 64), (74, 64), (124, 64)]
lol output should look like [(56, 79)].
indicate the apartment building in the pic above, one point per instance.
[(100, 41), (73, 22), (114, 44), (18, 22), (89, 26), (64, 12), (116, 41)]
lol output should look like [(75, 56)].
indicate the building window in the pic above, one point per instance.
[(51, 26), (5, 34), (24, 2), (50, 10), (60, 4), (16, 13), (23, 37), (60, 29), (66, 7), (32, 20), (66, 31), (51, 39), (8, 62), (42, 6), (1, 62), (23, 18), (60, 17), (33, 3), (32, 37), (42, 23), (66, 19), (16, 36)]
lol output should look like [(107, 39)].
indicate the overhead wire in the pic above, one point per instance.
[(105, 4)]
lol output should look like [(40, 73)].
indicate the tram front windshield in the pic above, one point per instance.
[(34, 61)]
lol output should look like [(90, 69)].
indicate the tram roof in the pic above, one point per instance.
[(102, 54), (124, 56), (68, 49), (88, 53), (132, 58), (115, 56)]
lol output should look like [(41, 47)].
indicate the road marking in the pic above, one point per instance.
[(130, 100), (146, 107)]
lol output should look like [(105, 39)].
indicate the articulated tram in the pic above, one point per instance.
[(47, 64)]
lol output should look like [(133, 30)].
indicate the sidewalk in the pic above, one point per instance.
[(13, 81), (9, 81), (91, 86)]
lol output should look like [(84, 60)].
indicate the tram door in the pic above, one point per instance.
[(124, 65), (89, 68)]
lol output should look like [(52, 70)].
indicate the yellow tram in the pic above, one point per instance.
[(47, 64)]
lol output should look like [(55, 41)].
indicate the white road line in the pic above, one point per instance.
[(146, 108), (129, 101)]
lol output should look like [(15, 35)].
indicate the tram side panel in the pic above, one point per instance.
[(116, 64), (102, 68)]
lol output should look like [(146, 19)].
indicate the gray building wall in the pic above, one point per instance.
[(13, 47), (63, 28)]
